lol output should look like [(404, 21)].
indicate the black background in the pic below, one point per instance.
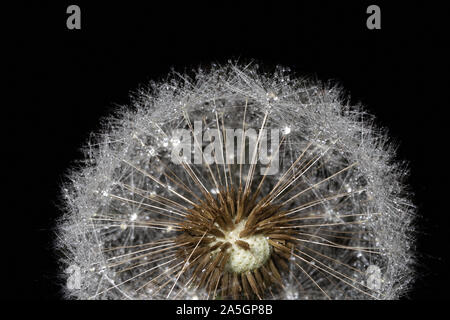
[(63, 81)]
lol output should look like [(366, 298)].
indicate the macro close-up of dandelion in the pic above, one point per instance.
[(233, 183)]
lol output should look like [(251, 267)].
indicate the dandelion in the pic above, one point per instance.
[(276, 190)]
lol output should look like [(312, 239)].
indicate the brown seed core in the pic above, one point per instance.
[(208, 249)]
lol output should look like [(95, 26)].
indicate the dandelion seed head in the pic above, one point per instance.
[(334, 221)]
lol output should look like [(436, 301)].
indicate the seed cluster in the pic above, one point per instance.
[(208, 248)]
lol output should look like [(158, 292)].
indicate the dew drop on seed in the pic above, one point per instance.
[(151, 152), (286, 130)]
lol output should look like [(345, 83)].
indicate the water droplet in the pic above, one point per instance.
[(286, 130)]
